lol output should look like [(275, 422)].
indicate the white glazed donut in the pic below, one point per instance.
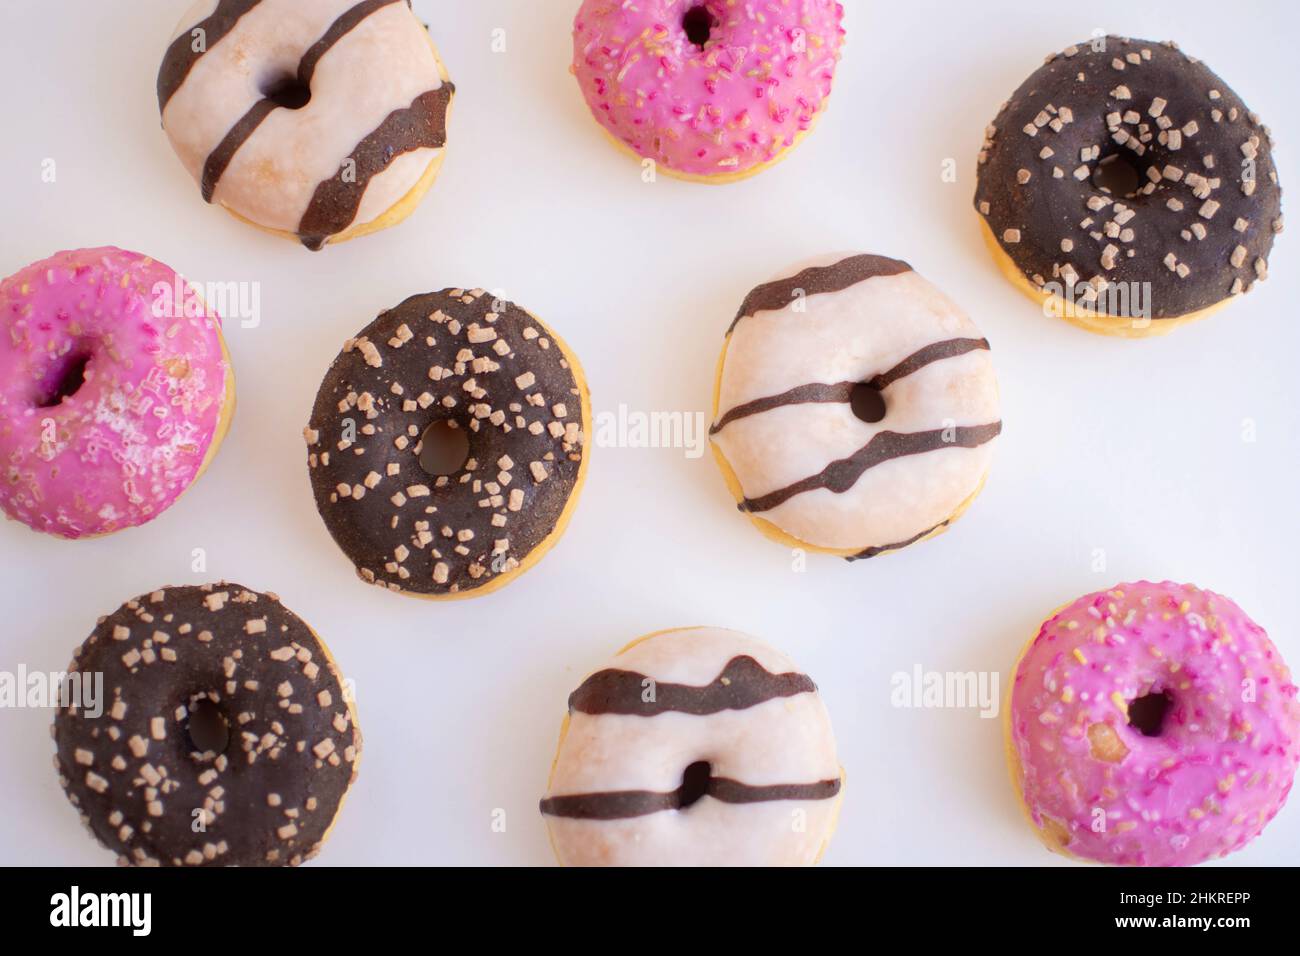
[(321, 120), (697, 747), (856, 408)]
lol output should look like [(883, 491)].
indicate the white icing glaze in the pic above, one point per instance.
[(785, 740), (197, 14), (851, 336), (391, 185), (380, 66)]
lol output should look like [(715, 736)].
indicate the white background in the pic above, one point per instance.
[(1134, 447)]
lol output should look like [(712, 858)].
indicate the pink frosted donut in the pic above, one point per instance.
[(115, 391), (1152, 725), (713, 90)]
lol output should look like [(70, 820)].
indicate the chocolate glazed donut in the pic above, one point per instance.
[(1125, 161), (486, 369), (226, 737)]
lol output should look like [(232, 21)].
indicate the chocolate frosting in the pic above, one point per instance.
[(815, 280), (839, 476), (485, 366), (622, 804), (214, 167), (422, 125), (878, 550), (181, 55), (814, 393), (134, 773), (1199, 229), (347, 21), (743, 683), (927, 355), (842, 392)]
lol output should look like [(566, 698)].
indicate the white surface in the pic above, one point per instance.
[(1132, 447)]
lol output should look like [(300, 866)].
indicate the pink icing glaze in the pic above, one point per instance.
[(758, 82), (1223, 760), (120, 449)]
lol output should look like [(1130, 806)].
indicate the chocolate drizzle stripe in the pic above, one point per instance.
[(334, 205), (215, 165), (839, 476), (842, 392), (348, 21), (743, 683), (621, 804), (815, 280), (181, 55), (814, 393), (935, 352), (881, 549)]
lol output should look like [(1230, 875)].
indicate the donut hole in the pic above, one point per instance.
[(867, 402), (1118, 175), (64, 380), (285, 90), (695, 784), (443, 449), (207, 727), (1146, 714), (698, 24)]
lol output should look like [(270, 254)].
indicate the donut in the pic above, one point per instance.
[(697, 747), (1128, 189), (454, 365), (1151, 725), (317, 121), (711, 91), (855, 408), (226, 736), (115, 391)]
